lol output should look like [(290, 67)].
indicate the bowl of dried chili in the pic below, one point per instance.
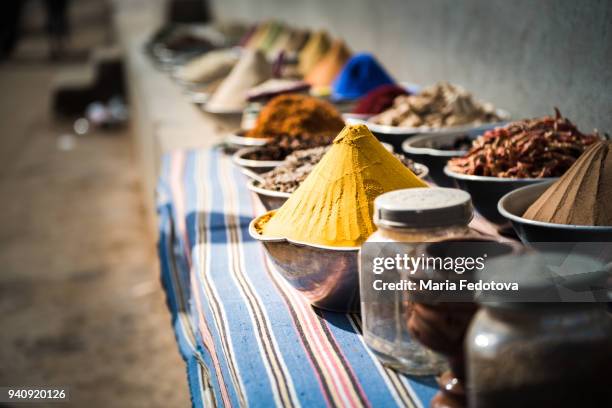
[(519, 154)]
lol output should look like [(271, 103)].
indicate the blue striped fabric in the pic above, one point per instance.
[(247, 337)]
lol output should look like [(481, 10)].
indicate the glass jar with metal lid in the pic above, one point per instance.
[(410, 217)]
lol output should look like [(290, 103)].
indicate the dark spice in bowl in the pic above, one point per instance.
[(282, 146), (266, 153), (461, 143)]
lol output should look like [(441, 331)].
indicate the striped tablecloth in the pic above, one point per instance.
[(246, 336)]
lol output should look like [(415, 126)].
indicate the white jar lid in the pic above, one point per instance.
[(423, 208)]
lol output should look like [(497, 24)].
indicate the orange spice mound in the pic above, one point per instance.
[(297, 115)]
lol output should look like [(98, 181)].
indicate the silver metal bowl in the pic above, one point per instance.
[(270, 199), (225, 121), (327, 276), (423, 149), (396, 135), (480, 127), (241, 146), (355, 118), (273, 200), (514, 204), (238, 140), (198, 97), (256, 166), (421, 169), (487, 191)]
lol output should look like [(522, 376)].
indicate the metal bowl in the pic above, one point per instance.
[(514, 204), (273, 200), (238, 140), (355, 118), (396, 135), (327, 276), (480, 127), (487, 191), (225, 121), (418, 148), (270, 199), (253, 167), (222, 112), (256, 166), (197, 97)]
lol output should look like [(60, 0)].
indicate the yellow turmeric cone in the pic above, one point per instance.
[(334, 205)]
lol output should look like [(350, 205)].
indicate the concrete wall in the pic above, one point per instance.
[(524, 56)]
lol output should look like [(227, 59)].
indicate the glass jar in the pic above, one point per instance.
[(540, 355), (525, 351), (411, 217)]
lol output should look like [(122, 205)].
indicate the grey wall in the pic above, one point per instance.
[(524, 56)]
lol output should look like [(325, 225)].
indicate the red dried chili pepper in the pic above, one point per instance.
[(533, 148)]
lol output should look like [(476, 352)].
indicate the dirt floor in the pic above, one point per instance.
[(80, 299)]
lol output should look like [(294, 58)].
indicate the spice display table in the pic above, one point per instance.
[(247, 337)]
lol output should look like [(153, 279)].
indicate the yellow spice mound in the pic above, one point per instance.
[(334, 205)]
